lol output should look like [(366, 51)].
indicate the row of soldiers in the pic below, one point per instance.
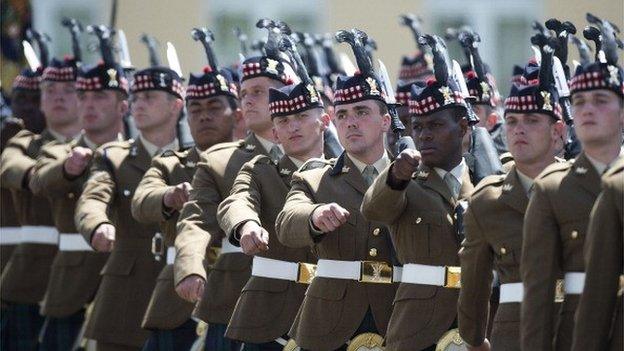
[(276, 241)]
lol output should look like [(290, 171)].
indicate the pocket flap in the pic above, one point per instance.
[(428, 217), (414, 291), (119, 264), (327, 288), (264, 284)]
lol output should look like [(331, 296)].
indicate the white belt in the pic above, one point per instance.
[(299, 272), (227, 247), (446, 276), (171, 254), (10, 235), (39, 235), (574, 283), (511, 292), (362, 271), (73, 242)]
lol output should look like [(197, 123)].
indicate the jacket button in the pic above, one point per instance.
[(373, 252), (70, 195), (418, 220), (376, 231), (574, 234), (126, 192), (503, 250)]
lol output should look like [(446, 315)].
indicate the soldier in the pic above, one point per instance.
[(212, 104), (556, 219), (26, 276), (212, 182), (280, 275), (350, 299), (417, 196), (103, 214), (595, 327), (26, 100), (493, 220), (60, 174)]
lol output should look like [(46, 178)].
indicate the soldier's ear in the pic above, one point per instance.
[(325, 120), (463, 126), (123, 107), (275, 134), (385, 122)]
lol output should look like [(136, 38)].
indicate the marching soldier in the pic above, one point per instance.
[(350, 298), (60, 174), (103, 214), (596, 328), (212, 105), (556, 219), (417, 197), (493, 220), (26, 100), (25, 278), (212, 182), (280, 275)]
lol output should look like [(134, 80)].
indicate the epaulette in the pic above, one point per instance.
[(262, 159), (315, 163), (555, 167), (23, 137), (616, 167), (506, 157), (495, 179), (179, 154), (227, 145), (125, 144)]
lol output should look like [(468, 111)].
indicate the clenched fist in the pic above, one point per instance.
[(253, 238), (177, 196), (191, 288), (77, 161), (406, 164), (103, 239), (329, 217)]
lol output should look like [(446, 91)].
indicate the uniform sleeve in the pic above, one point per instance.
[(147, 203), (476, 259), (197, 224), (15, 163), (92, 208), (382, 203), (244, 201), (603, 258), (293, 226), (49, 177), (539, 268)]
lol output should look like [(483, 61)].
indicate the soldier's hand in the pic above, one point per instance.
[(329, 217), (191, 288), (77, 161), (406, 164), (177, 196), (103, 239), (253, 238), (483, 347)]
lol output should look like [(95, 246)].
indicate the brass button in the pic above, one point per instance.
[(574, 234), (418, 220), (373, 252), (126, 192), (70, 195), (376, 231), (503, 250)]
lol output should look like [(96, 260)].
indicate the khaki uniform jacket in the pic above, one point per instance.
[(493, 228), (129, 276), (333, 309), (215, 174), (420, 218), (604, 250), (554, 232), (166, 310), (75, 275), (266, 307), (8, 216), (25, 278)]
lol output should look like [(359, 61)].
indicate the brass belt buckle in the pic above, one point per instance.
[(366, 341), (375, 272), (305, 272), (559, 291), (158, 246), (452, 277)]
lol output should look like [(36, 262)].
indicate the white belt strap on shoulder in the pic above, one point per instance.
[(574, 283), (446, 276), (10, 235), (39, 235), (228, 247), (73, 242), (362, 271), (511, 292), (171, 255)]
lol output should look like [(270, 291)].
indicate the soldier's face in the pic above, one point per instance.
[(598, 116), (211, 120), (361, 126), (102, 110), (59, 103), (254, 95), (154, 109), (532, 137), (301, 134), (25, 105), (438, 137)]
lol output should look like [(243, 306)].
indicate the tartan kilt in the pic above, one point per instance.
[(61, 333), (216, 340), (19, 328), (180, 338)]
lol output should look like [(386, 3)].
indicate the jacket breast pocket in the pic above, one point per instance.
[(119, 265), (423, 237), (507, 251)]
